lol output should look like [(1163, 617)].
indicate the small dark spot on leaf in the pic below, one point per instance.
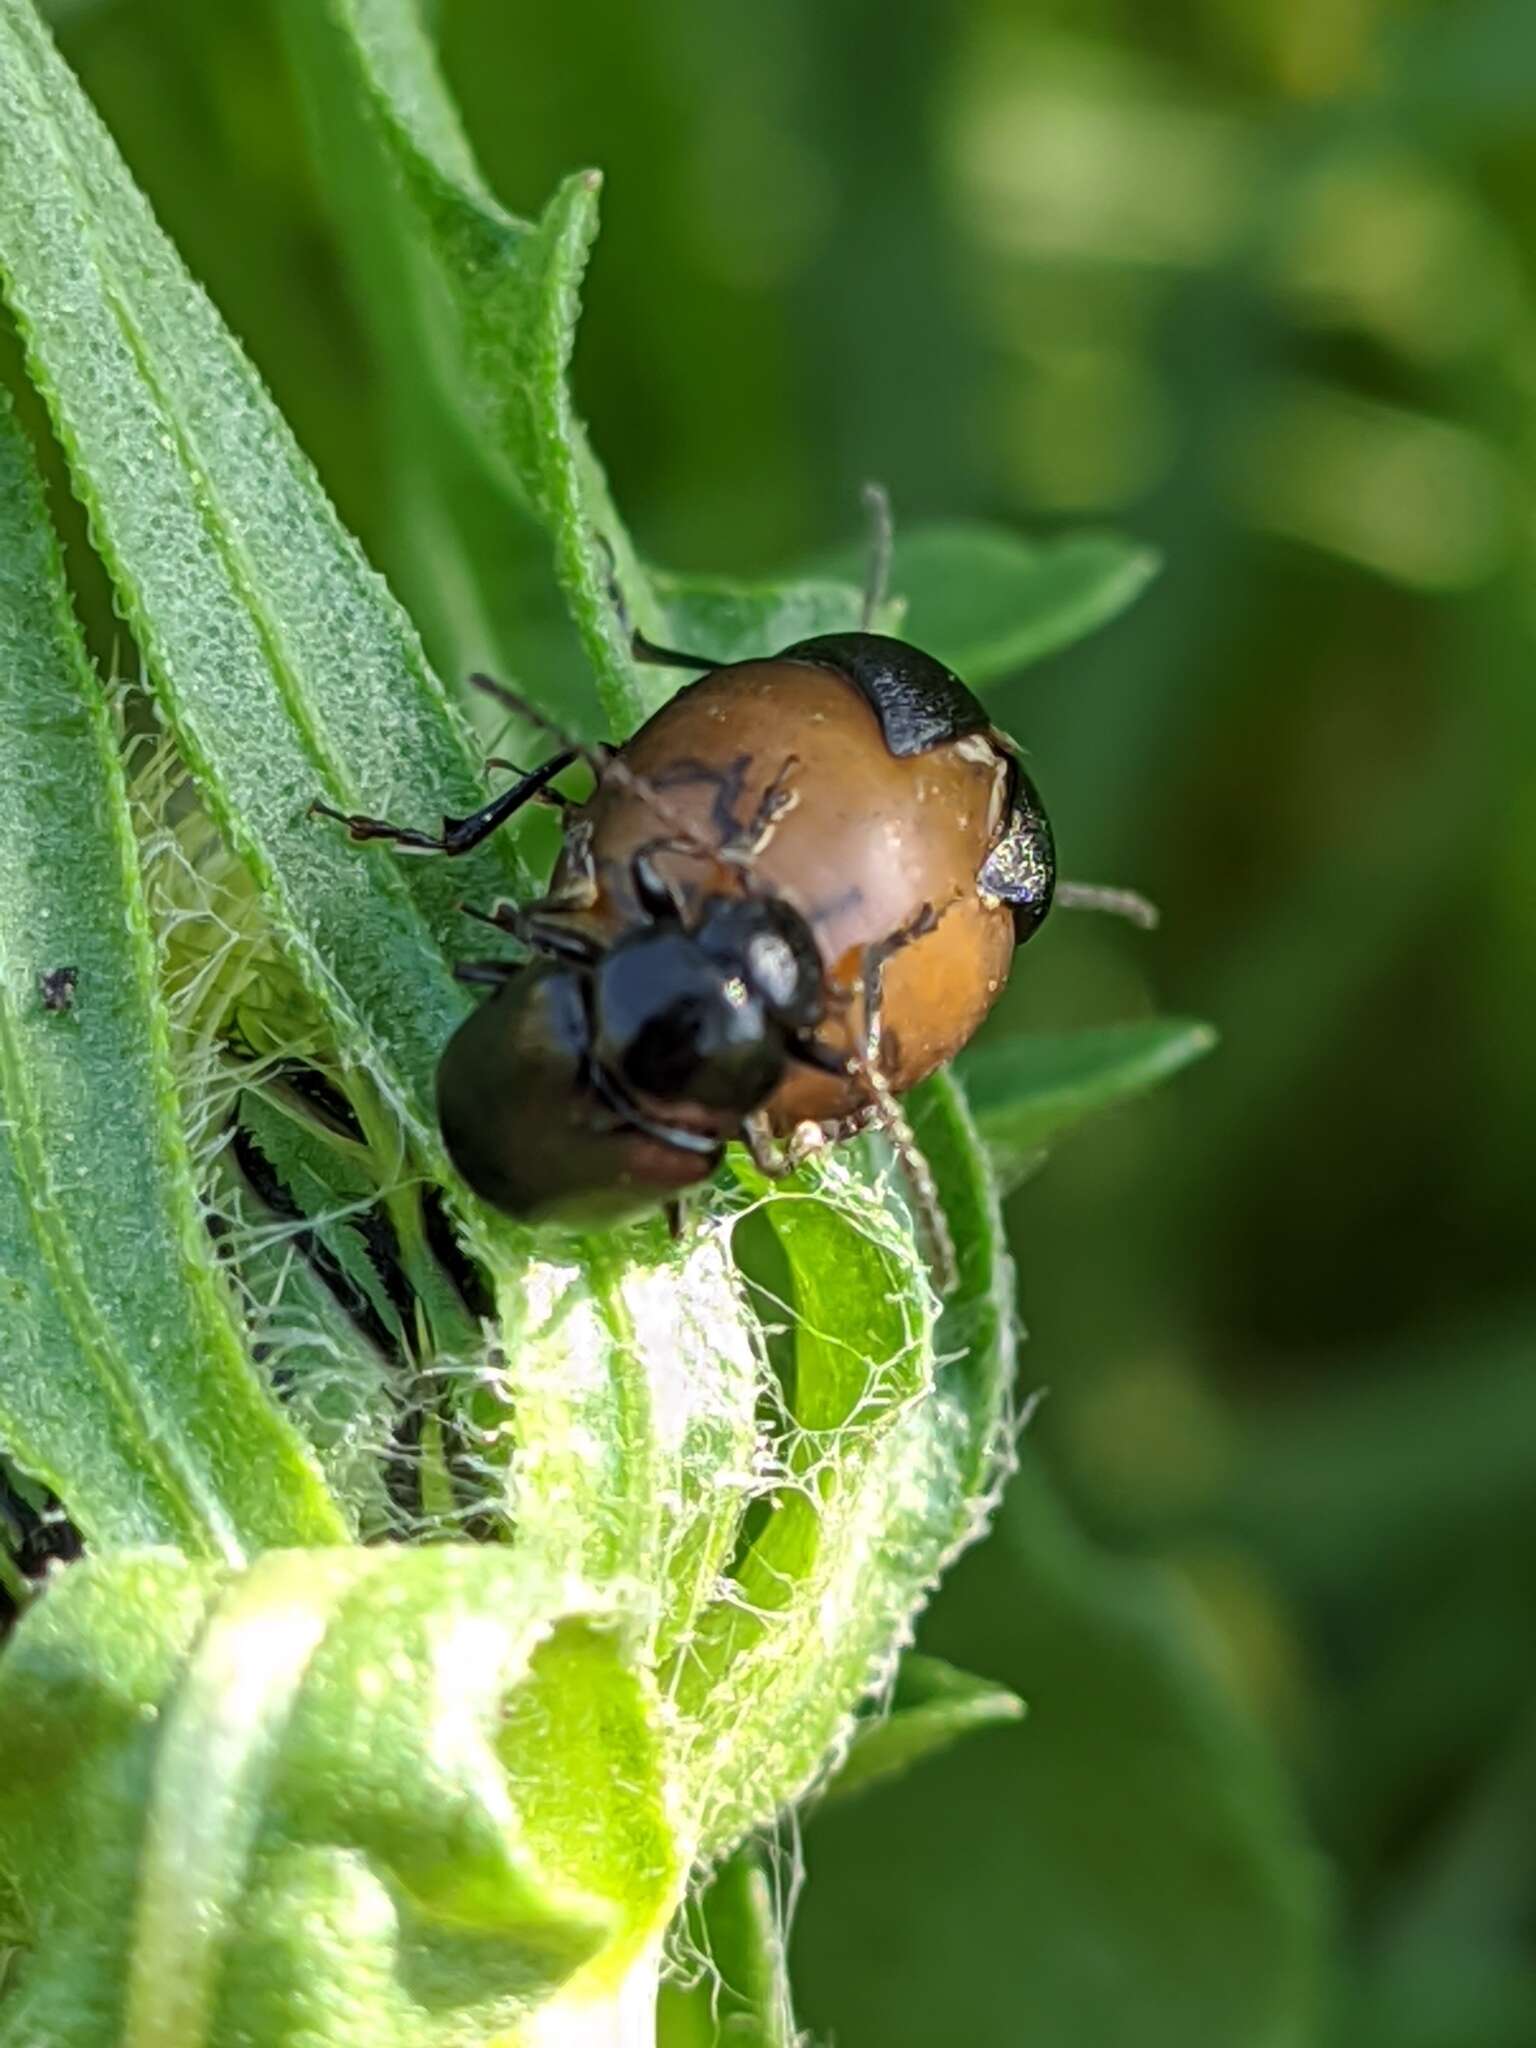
[(56, 986)]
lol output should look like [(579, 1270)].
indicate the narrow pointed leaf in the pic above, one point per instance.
[(988, 602), (1026, 1090), (728, 621), (741, 1995), (932, 1706), (285, 669), (123, 1381), (505, 318)]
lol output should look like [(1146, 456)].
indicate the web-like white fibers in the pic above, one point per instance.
[(360, 1331), (377, 1335)]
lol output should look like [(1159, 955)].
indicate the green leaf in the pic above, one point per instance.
[(932, 1706), (402, 1795), (284, 668), (1026, 1090), (739, 1990), (626, 1400), (1127, 1718), (805, 1620), (893, 1434), (124, 1385), (499, 312), (988, 603), (732, 621), (1131, 1864)]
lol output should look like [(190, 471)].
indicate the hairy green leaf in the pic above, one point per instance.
[(415, 1796), (737, 1991), (803, 1621), (496, 302), (629, 1386), (123, 1381), (285, 669), (892, 1440)]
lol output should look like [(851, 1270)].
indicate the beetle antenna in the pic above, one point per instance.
[(882, 539), (1127, 903), (511, 701)]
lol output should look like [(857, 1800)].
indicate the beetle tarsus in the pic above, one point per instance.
[(776, 1160), (459, 835)]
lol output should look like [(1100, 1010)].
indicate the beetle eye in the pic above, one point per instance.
[(771, 946), (774, 969)]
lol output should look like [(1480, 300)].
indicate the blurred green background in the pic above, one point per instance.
[(1254, 281)]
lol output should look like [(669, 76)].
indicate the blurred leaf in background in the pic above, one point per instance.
[(1254, 280)]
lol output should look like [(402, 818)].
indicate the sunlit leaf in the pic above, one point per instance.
[(414, 1795), (739, 1991), (285, 669), (503, 309), (123, 1381)]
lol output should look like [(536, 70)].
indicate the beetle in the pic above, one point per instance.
[(791, 895)]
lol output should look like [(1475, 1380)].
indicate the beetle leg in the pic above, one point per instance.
[(459, 835), (596, 754), (932, 1222), (657, 898), (666, 657), (811, 1053), (873, 975), (550, 936), (776, 802), (738, 842), (892, 1118), (774, 1160), (607, 765), (550, 798), (724, 784), (484, 973)]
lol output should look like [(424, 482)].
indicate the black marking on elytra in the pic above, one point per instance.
[(1021, 868), (919, 702)]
